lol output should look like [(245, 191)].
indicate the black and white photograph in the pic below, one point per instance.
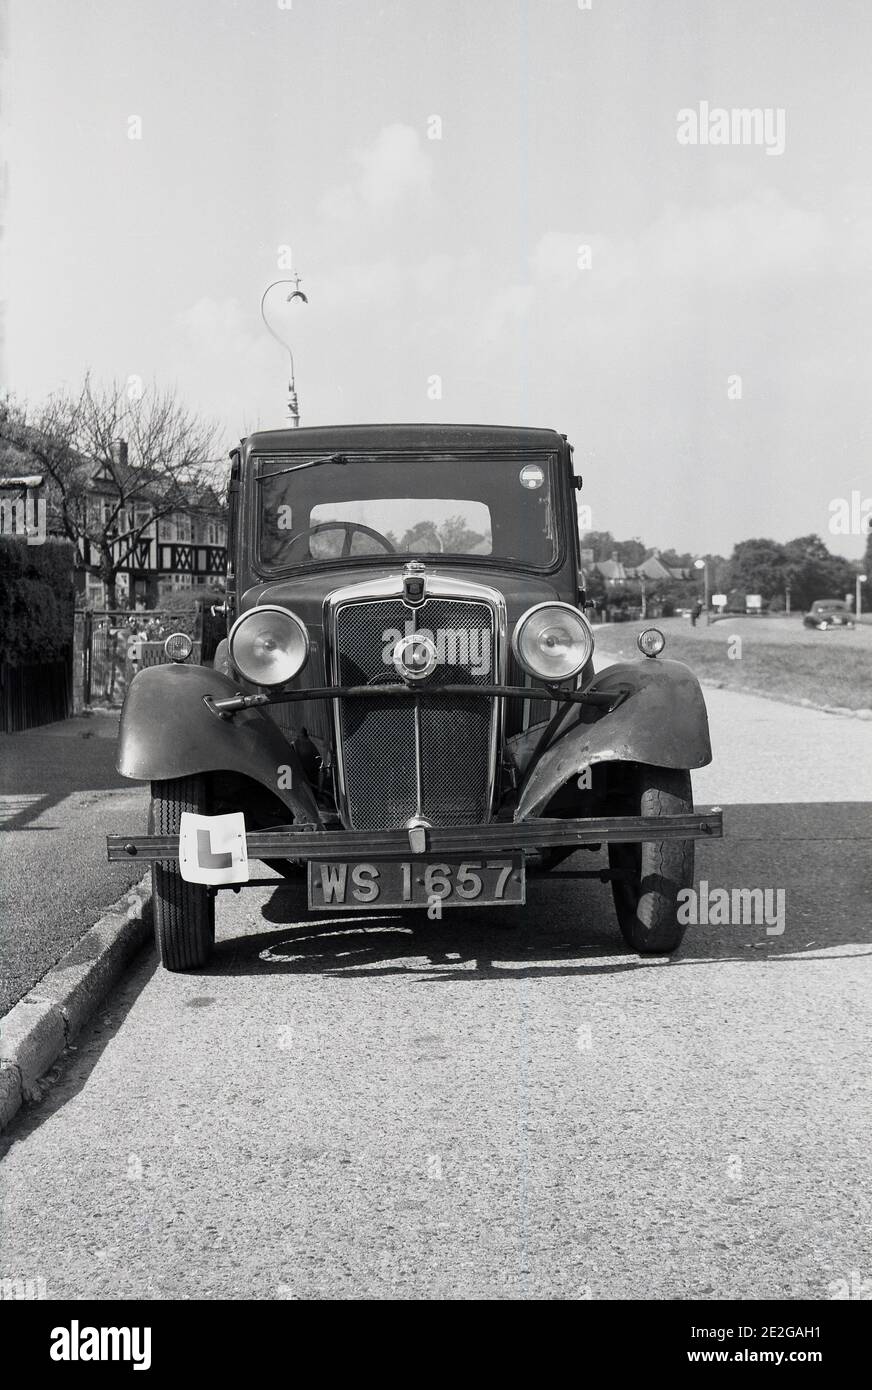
[(435, 670)]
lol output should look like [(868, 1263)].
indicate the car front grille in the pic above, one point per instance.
[(439, 748)]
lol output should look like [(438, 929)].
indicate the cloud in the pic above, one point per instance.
[(219, 353), (503, 313), (393, 170), (755, 238), (215, 327)]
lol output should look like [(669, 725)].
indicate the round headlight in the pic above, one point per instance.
[(651, 642), (178, 646), (268, 645), (552, 641)]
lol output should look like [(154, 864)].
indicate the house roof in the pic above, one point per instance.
[(651, 568), (611, 569)]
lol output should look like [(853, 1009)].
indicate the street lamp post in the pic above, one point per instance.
[(861, 579), (703, 565), (296, 293)]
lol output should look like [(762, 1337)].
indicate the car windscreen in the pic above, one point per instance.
[(494, 507)]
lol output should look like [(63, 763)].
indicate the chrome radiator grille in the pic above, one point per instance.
[(403, 758)]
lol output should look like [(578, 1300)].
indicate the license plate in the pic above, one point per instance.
[(417, 883)]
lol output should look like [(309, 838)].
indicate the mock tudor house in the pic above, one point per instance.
[(185, 549)]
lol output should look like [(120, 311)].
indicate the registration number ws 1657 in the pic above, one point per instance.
[(417, 883)]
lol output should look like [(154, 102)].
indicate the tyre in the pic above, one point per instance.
[(184, 913), (653, 871)]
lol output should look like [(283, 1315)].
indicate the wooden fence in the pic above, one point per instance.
[(35, 694)]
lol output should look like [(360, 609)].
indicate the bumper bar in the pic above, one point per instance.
[(596, 699), (308, 842)]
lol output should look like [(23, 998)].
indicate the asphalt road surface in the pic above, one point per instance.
[(60, 796), (497, 1105)]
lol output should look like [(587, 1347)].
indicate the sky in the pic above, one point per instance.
[(434, 170)]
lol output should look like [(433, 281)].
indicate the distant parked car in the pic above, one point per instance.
[(828, 612)]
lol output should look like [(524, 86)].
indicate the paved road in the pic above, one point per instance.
[(497, 1105), (60, 796)]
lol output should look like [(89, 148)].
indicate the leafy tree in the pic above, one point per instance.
[(602, 543), (457, 537), (757, 567), (631, 553), (676, 561), (814, 573)]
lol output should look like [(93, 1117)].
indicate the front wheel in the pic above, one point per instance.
[(184, 913), (653, 872)]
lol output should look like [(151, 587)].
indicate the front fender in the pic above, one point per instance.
[(662, 721), (166, 731)]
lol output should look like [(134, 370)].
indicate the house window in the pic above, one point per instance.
[(182, 581), (176, 527), (141, 515), (95, 591), (214, 532)]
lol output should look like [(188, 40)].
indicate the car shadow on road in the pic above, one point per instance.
[(41, 768), (813, 858)]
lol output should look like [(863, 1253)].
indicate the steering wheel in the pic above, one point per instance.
[(349, 527)]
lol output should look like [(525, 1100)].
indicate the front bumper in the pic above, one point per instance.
[(309, 842)]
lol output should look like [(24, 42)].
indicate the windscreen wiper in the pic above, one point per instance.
[(309, 463)]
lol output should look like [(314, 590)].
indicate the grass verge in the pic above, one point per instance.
[(774, 657)]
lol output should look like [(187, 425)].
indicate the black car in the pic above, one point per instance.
[(827, 613), (406, 701)]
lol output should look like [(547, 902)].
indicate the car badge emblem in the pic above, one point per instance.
[(414, 657), (413, 583)]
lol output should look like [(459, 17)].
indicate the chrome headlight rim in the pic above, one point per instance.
[(648, 638), (171, 646), (247, 617), (553, 604)]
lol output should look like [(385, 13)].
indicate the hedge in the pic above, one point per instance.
[(37, 601)]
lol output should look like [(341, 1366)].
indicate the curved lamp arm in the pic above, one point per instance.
[(269, 328)]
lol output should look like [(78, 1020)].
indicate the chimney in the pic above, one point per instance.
[(119, 453)]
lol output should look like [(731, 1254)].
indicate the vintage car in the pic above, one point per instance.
[(828, 612), (406, 702)]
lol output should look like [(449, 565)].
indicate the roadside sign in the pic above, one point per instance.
[(719, 600), (753, 601)]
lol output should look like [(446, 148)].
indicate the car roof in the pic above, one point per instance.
[(392, 436)]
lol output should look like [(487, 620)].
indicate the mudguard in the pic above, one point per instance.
[(167, 731), (662, 721)]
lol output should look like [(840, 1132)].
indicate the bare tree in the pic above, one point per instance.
[(115, 460)]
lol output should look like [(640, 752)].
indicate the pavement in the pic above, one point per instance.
[(499, 1105), (60, 796)]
